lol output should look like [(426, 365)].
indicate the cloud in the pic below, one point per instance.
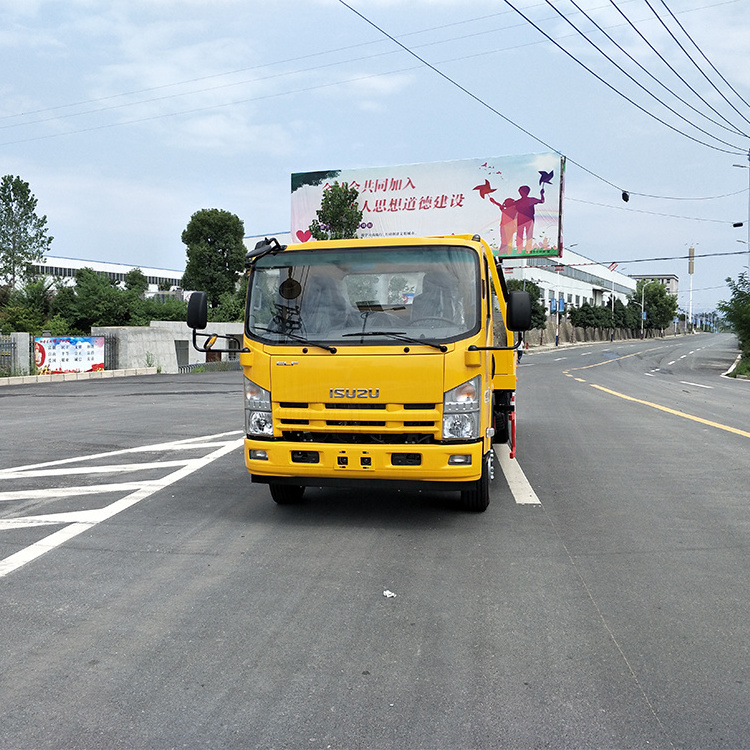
[(229, 132)]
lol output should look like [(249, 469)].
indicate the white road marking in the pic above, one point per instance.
[(697, 385), (210, 441), (91, 489), (669, 364), (523, 492), (79, 521), (8, 474)]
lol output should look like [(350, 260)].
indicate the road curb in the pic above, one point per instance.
[(67, 376)]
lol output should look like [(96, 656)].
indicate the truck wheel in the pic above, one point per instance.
[(287, 494), (477, 498)]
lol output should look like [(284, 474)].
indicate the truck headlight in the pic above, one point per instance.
[(258, 418), (461, 415)]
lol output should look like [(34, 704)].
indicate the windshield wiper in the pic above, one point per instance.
[(401, 336), (298, 338)]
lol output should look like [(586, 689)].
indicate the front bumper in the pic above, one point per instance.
[(330, 464)]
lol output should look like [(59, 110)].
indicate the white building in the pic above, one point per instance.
[(573, 278), (65, 270), (670, 281)]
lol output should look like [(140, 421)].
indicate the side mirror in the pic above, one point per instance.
[(519, 311), (197, 311)]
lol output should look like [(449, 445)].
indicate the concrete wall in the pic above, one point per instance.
[(16, 355), (570, 335), (23, 362), (158, 345)]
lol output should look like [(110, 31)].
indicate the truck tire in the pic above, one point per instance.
[(287, 494), (477, 498)]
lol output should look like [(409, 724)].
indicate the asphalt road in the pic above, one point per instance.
[(153, 598)]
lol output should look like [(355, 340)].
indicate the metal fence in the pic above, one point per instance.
[(111, 359), (7, 355), (233, 365)]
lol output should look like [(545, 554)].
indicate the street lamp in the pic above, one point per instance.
[(747, 220), (612, 299), (643, 317)]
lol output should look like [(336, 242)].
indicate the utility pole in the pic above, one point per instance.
[(691, 268), (747, 220), (557, 308)]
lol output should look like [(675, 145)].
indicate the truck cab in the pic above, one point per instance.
[(386, 362)]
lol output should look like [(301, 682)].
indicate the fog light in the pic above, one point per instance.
[(459, 460), (259, 455)]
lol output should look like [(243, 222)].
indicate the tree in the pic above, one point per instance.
[(26, 308), (339, 215), (136, 281), (23, 234), (659, 304), (231, 307), (591, 316), (215, 252), (95, 301), (737, 311)]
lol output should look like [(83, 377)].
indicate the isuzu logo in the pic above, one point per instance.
[(354, 392)]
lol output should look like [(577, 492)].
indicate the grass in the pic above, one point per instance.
[(743, 367)]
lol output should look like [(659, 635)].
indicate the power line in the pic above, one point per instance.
[(505, 117), (732, 129), (200, 79), (702, 54), (471, 94), (635, 260), (679, 257), (619, 93), (650, 213), (253, 80), (705, 198), (664, 60), (698, 67)]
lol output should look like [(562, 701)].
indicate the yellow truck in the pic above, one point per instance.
[(376, 362)]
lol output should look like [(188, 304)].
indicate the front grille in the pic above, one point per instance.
[(379, 407), (353, 423), (360, 438)]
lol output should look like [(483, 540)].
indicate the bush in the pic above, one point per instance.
[(737, 312)]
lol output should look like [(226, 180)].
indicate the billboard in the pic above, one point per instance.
[(53, 356), (513, 202)]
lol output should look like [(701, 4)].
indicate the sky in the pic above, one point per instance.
[(128, 116)]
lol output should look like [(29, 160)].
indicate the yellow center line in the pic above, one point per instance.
[(676, 413)]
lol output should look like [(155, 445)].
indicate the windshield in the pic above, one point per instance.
[(330, 296)]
